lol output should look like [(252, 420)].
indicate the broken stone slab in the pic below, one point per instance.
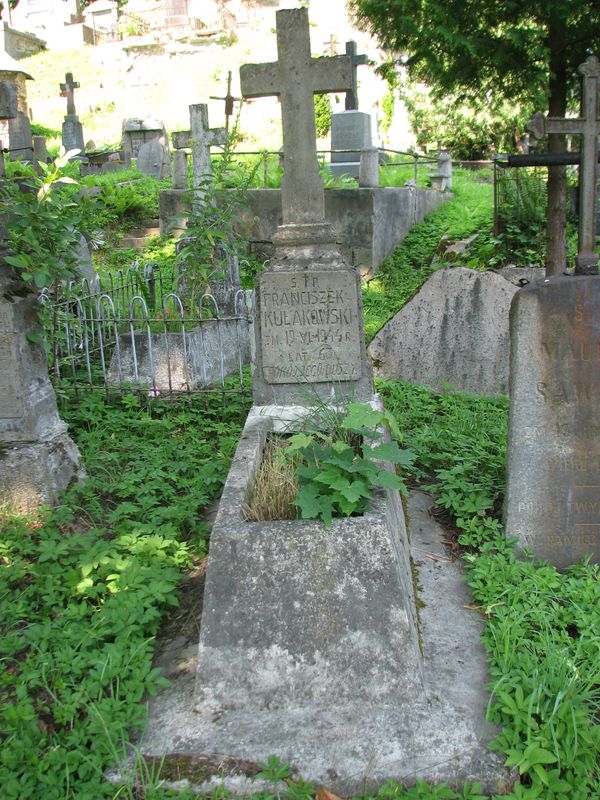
[(436, 735), (176, 362), (455, 331)]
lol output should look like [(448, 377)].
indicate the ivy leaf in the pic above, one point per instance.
[(387, 479), (389, 451)]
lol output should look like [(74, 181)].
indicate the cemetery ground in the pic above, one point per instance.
[(83, 589)]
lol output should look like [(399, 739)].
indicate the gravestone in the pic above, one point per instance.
[(180, 170), (136, 131), (37, 457), (455, 331), (20, 138), (308, 645), (151, 159), (553, 471), (72, 129), (350, 132)]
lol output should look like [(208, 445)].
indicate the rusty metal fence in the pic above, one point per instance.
[(135, 331)]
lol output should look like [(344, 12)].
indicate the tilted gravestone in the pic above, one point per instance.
[(455, 331), (553, 471)]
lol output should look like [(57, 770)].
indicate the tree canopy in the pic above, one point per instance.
[(527, 52)]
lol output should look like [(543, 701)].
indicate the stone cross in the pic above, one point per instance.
[(200, 138), (331, 44), (67, 89), (588, 127), (357, 60), (295, 78), (229, 101)]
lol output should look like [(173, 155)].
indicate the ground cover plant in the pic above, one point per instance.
[(83, 589)]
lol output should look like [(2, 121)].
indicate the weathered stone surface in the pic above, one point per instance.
[(350, 131), (72, 134), (180, 169), (520, 276), (20, 138), (151, 159), (454, 330), (368, 173), (37, 458), (439, 734), (309, 326), (8, 100), (173, 363), (553, 489), (309, 337), (137, 131)]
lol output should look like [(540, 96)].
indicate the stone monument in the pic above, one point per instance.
[(153, 159), (72, 130), (309, 647), (200, 138), (553, 476), (350, 129)]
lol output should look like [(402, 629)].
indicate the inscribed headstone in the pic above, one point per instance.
[(553, 487), (20, 138), (150, 159)]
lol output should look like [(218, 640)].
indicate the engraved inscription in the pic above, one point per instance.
[(309, 327), (11, 390)]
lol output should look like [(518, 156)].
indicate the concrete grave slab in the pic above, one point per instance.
[(436, 734), (454, 330)]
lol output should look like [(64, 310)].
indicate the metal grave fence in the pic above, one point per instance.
[(136, 331)]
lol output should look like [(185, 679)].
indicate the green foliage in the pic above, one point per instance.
[(322, 114), (42, 220), (471, 128), (82, 589), (409, 266), (338, 472)]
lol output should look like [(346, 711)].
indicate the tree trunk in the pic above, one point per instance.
[(556, 237)]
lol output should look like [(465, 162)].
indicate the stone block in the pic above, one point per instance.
[(153, 159), (174, 362), (553, 473), (350, 130), (455, 330)]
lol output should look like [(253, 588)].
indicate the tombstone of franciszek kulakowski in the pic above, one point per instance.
[(553, 468), (37, 457)]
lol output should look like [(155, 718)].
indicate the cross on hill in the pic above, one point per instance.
[(67, 89), (199, 138)]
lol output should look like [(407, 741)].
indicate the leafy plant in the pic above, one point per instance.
[(42, 220), (322, 114), (338, 474)]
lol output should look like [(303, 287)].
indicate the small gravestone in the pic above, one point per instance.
[(180, 170), (20, 138), (455, 331), (151, 159), (553, 468), (350, 133), (72, 129), (137, 131)]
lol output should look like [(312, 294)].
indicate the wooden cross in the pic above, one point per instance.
[(229, 101), (199, 138), (295, 78), (357, 60), (67, 89), (588, 127)]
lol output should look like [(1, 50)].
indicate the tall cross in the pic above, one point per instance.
[(357, 60), (67, 89), (295, 78), (229, 101), (199, 138), (588, 127)]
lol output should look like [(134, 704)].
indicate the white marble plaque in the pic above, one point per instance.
[(309, 327)]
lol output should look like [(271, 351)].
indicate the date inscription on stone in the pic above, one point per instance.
[(310, 330), (11, 389)]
